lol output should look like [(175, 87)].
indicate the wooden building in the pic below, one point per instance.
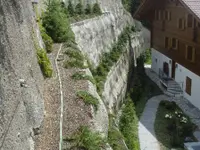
[(175, 41)]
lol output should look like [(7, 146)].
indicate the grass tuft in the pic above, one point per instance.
[(83, 76), (89, 99)]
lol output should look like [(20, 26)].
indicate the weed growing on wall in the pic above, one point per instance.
[(88, 99), (44, 63), (46, 39), (108, 59)]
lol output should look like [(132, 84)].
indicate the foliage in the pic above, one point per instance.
[(56, 23), (74, 63), (147, 56), (79, 8), (96, 9), (46, 39), (76, 59), (44, 63), (83, 76), (70, 8), (87, 140), (129, 125), (115, 138), (131, 5), (108, 59), (172, 126), (75, 54), (88, 9), (88, 99)]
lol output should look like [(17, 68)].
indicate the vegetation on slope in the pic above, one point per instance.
[(86, 139), (131, 5), (89, 99), (172, 126), (108, 59), (78, 12), (128, 125), (115, 137), (56, 23)]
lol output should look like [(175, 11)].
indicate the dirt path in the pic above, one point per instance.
[(49, 137)]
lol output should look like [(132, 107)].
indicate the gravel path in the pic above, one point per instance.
[(146, 131), (48, 139)]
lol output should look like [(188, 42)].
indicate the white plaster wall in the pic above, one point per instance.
[(160, 60), (181, 74)]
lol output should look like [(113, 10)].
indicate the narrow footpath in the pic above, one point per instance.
[(48, 138), (146, 131)]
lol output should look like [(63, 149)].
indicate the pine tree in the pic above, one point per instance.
[(70, 8), (56, 23), (79, 8), (88, 9), (96, 9)]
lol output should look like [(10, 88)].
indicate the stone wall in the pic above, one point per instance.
[(21, 101)]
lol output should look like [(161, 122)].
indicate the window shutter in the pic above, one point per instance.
[(193, 55), (188, 85)]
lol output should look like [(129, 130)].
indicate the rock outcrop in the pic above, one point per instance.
[(21, 102)]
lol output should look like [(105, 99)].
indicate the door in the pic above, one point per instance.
[(173, 69), (166, 68)]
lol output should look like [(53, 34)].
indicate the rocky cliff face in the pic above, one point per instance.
[(21, 81), (21, 102)]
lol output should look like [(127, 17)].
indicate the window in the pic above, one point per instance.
[(189, 20), (181, 24), (167, 42), (174, 43), (188, 85), (190, 53), (167, 15)]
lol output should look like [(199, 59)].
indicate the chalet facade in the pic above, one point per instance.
[(175, 42)]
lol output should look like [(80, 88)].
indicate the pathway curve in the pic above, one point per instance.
[(146, 131)]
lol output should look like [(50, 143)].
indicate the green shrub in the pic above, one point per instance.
[(46, 38), (87, 140), (96, 9), (115, 139), (56, 23), (44, 63), (83, 76), (76, 59), (108, 59), (75, 54), (88, 9), (79, 8), (74, 63), (70, 8), (128, 125), (88, 99)]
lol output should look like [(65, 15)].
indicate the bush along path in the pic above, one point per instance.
[(146, 131)]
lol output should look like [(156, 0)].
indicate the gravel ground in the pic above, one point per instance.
[(48, 139), (75, 113)]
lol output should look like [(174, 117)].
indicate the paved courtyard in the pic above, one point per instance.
[(146, 131)]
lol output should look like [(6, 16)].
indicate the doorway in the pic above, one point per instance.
[(166, 68), (173, 69)]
